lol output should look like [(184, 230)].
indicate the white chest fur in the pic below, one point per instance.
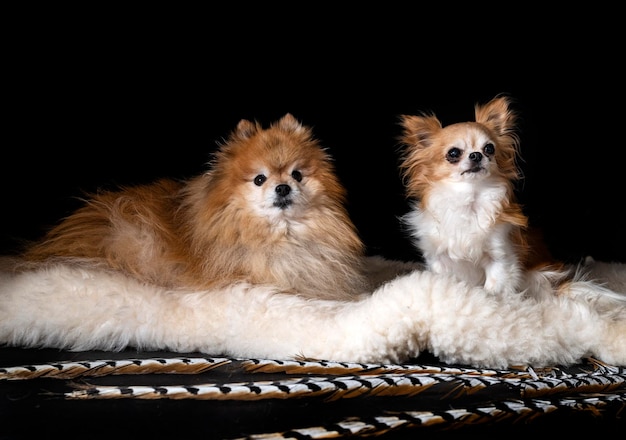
[(458, 219)]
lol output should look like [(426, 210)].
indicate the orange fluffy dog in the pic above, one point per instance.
[(270, 210)]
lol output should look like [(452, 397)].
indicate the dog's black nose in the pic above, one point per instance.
[(476, 156), (283, 190)]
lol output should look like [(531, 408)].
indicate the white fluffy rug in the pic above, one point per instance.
[(412, 311)]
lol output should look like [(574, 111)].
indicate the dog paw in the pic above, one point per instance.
[(496, 287)]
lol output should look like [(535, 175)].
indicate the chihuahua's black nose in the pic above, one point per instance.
[(476, 156), (283, 190)]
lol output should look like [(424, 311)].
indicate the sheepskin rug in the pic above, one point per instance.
[(78, 308)]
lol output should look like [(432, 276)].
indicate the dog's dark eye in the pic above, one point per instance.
[(297, 175), (453, 155), (260, 180), (489, 149)]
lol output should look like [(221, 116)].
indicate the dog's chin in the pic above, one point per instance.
[(475, 172), (276, 210), (282, 203), (285, 210)]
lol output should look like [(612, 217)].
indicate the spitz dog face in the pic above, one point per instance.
[(280, 175)]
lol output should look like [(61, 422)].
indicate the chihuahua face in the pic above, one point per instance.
[(461, 152), (470, 151)]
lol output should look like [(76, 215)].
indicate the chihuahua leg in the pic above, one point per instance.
[(503, 273)]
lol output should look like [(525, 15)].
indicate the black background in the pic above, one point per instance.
[(97, 98), (111, 100)]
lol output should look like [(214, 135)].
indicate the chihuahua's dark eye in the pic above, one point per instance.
[(260, 180), (453, 155), (297, 175), (489, 149)]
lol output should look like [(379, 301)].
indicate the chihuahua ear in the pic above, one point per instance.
[(497, 115), (419, 130)]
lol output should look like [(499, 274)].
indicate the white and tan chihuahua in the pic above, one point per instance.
[(465, 219)]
